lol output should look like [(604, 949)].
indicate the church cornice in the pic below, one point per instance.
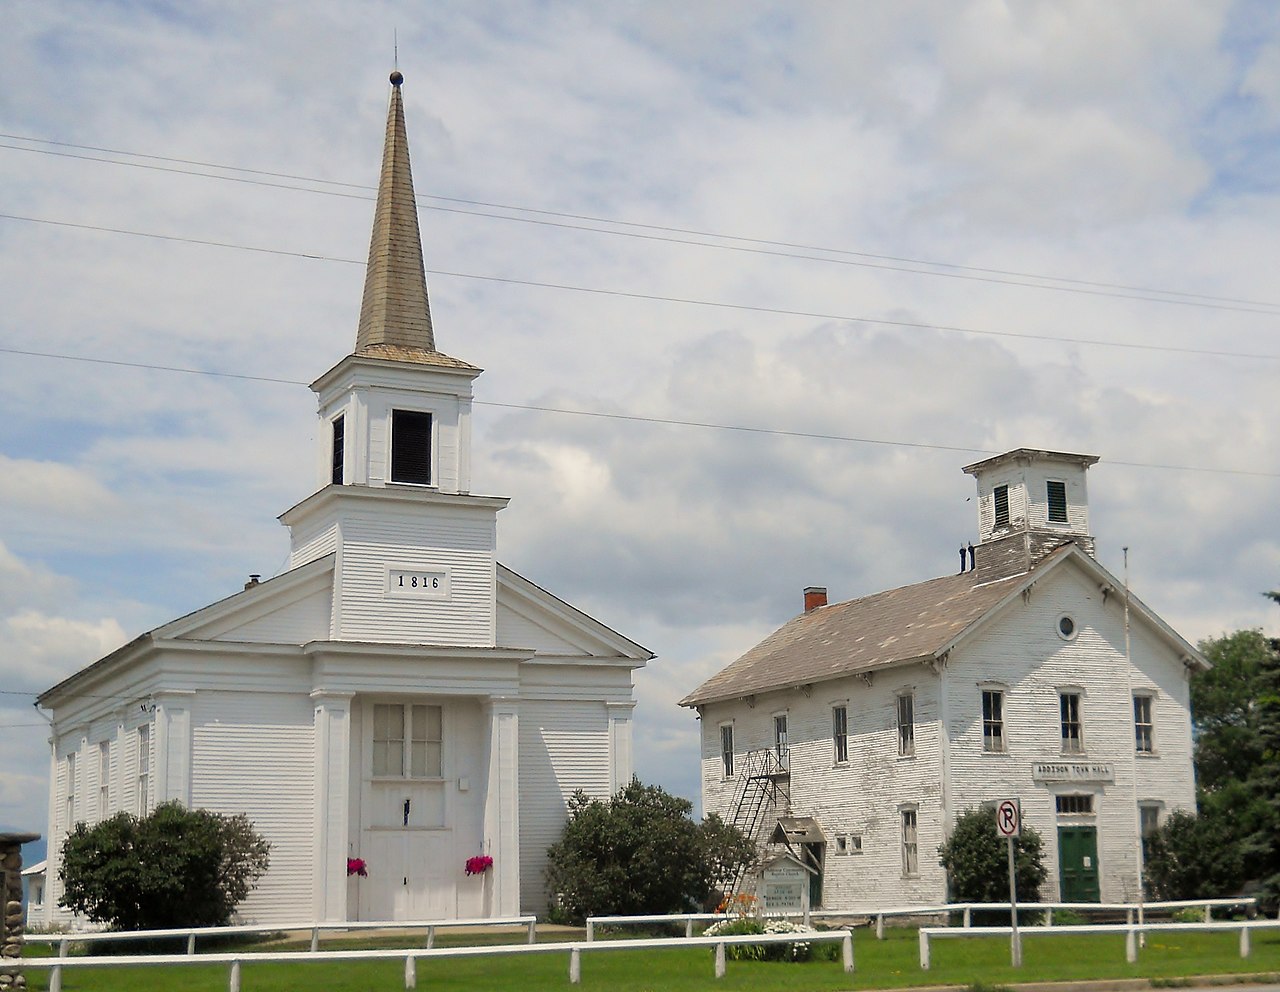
[(388, 495)]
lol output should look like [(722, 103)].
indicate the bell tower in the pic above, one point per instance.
[(414, 550), (1030, 502)]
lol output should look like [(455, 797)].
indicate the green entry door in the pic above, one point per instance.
[(1078, 864)]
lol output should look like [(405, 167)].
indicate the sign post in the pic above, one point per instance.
[(1009, 826)]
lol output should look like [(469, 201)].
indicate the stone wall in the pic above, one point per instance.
[(11, 922)]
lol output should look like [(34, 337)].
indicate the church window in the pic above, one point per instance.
[(726, 749), (1001, 495), (780, 746), (1072, 729), (840, 733), (1056, 494), (144, 768), (104, 778), (71, 790), (339, 443), (1143, 727), (906, 724), (411, 447), (407, 737), (992, 720)]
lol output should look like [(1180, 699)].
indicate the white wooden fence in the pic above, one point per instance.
[(236, 961), (1131, 931), (1132, 910), (64, 940)]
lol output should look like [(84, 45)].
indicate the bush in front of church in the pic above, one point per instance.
[(976, 858), (639, 853), (176, 867)]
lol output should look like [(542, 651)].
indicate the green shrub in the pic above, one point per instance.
[(797, 951), (177, 867), (977, 863), (639, 853)]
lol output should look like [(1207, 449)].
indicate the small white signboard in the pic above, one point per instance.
[(784, 886)]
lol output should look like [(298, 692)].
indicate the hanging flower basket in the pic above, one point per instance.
[(478, 865), (356, 866)]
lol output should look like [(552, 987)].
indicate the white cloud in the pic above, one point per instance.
[(1088, 144)]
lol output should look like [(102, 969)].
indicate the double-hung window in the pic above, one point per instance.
[(144, 769), (910, 849), (407, 740), (1143, 728), (992, 720), (780, 745), (71, 790), (1072, 729), (906, 724), (840, 733), (726, 749), (104, 778)]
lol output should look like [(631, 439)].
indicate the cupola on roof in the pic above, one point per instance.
[(395, 313)]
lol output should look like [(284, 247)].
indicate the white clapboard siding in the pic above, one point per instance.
[(307, 619), (463, 545), (308, 547), (1025, 656), (252, 753), (564, 746), (516, 630)]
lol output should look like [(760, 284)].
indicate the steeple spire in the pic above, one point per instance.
[(395, 310)]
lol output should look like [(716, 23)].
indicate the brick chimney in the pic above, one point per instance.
[(814, 596)]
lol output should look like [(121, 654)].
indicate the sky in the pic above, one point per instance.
[(791, 265)]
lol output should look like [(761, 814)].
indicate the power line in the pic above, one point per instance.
[(637, 418), (761, 246), (653, 297)]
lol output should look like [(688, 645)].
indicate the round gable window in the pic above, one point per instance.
[(1066, 628)]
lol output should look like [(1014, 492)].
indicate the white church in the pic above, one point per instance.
[(396, 695), (856, 733)]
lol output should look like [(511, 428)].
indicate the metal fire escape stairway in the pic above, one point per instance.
[(761, 794)]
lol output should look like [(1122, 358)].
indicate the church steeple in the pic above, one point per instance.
[(395, 313)]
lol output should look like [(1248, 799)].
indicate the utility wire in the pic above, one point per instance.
[(637, 418), (1007, 277), (653, 297)]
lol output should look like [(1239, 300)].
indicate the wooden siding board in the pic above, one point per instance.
[(232, 733), (563, 747)]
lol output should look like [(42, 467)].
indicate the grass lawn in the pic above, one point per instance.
[(891, 963)]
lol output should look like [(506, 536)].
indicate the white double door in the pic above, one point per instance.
[(410, 857)]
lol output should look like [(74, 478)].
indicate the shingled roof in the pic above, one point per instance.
[(910, 623), (395, 312)]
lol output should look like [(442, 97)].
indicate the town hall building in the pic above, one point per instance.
[(396, 695), (855, 734)]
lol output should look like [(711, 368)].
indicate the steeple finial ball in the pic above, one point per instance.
[(396, 78)]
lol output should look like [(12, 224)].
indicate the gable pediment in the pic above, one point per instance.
[(293, 608), (531, 617)]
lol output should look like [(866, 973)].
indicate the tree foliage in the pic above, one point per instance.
[(638, 853), (176, 867), (1192, 857), (1236, 722), (976, 858)]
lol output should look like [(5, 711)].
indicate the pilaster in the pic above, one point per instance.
[(501, 805), (173, 745), (332, 813), (620, 746)]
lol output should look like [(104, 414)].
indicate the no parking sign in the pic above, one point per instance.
[(1009, 818)]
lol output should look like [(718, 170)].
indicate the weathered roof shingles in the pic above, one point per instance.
[(860, 635)]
